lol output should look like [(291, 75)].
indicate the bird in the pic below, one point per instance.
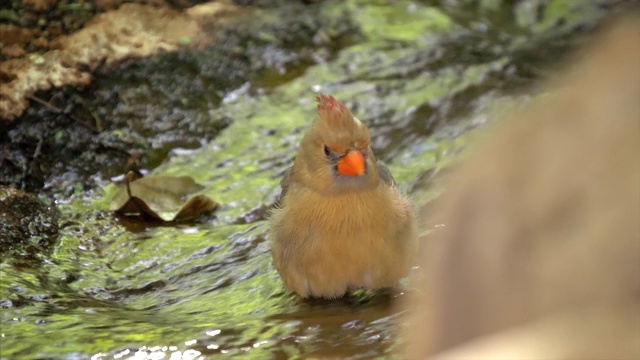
[(341, 223)]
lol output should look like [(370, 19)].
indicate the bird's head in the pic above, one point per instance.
[(334, 155)]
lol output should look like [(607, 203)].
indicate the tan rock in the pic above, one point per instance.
[(539, 257)]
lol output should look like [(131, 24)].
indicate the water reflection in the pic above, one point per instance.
[(316, 328)]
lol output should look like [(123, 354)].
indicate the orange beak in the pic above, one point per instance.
[(351, 164)]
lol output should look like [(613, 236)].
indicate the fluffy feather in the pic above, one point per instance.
[(332, 232)]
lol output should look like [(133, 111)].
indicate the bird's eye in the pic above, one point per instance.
[(327, 152)]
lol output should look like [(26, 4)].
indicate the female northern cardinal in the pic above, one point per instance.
[(342, 223)]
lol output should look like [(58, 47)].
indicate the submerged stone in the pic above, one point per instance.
[(28, 226)]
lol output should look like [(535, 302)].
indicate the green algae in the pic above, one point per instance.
[(405, 21)]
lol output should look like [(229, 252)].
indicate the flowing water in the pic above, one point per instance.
[(422, 75)]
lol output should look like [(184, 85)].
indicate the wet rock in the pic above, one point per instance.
[(131, 31), (108, 4), (27, 225), (39, 5)]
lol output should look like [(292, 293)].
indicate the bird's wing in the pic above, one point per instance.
[(385, 174), (284, 183)]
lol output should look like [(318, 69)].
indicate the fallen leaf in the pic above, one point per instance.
[(165, 198)]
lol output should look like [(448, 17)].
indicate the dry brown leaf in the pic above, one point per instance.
[(165, 198)]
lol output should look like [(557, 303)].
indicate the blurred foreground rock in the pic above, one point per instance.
[(539, 256)]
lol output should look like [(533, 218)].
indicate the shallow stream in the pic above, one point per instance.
[(422, 75)]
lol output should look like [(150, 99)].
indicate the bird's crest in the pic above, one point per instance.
[(328, 105), (337, 124), (334, 114)]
